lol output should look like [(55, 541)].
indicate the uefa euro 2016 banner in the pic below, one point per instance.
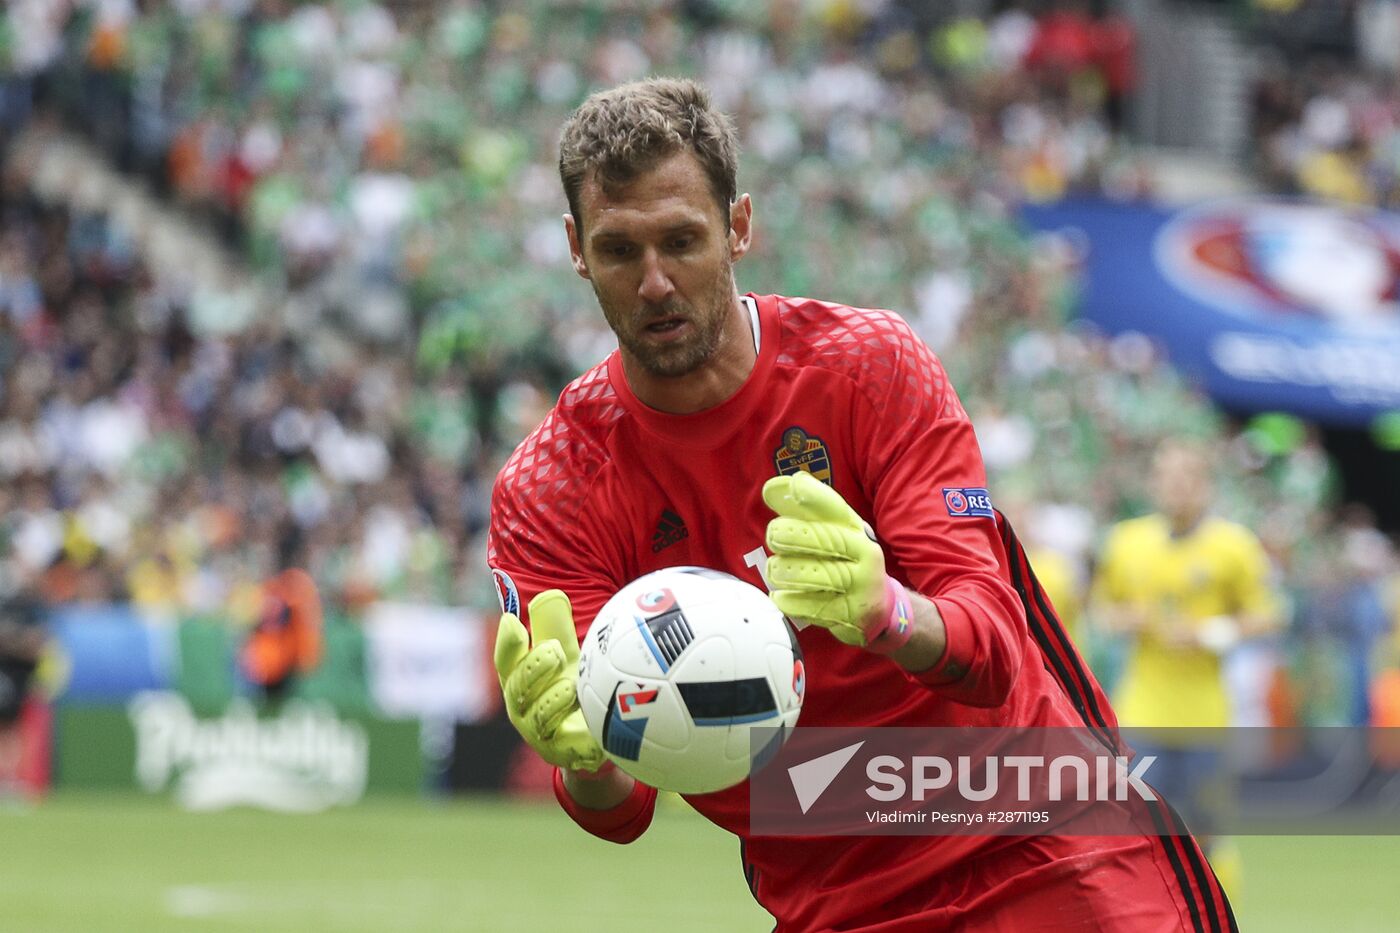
[(1271, 304)]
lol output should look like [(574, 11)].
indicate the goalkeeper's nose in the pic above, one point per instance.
[(656, 287)]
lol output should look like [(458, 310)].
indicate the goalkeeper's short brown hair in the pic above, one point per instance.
[(622, 132)]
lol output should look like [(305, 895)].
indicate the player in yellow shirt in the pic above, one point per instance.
[(1064, 585), (1184, 588)]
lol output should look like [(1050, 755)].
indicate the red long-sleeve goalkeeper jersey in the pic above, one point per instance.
[(607, 489)]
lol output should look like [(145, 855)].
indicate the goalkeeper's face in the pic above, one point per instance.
[(659, 253)]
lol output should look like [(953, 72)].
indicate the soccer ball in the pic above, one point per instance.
[(677, 668)]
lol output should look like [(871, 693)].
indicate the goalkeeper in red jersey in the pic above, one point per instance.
[(758, 435)]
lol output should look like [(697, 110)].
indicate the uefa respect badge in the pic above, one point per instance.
[(968, 502)]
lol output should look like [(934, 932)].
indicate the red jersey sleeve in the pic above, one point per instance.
[(542, 537), (622, 824), (924, 474), (528, 558)]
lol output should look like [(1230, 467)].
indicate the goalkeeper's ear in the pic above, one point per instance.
[(740, 227), (571, 230)]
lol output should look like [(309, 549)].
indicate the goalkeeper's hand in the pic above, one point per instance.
[(540, 684), (826, 568)]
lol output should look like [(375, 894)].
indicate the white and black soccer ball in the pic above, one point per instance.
[(677, 668)]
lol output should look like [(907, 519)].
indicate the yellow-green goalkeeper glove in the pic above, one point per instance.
[(540, 684), (826, 568)]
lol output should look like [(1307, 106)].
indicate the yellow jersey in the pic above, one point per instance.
[(1062, 584), (1219, 568)]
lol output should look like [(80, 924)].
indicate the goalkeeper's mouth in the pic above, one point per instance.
[(667, 329)]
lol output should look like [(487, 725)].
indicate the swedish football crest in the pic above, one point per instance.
[(801, 451)]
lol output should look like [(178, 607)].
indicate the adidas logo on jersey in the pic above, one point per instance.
[(670, 529)]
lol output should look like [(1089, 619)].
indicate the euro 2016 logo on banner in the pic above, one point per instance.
[(1274, 258)]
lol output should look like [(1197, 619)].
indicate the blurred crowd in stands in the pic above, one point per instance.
[(388, 174), (139, 460), (1331, 130)]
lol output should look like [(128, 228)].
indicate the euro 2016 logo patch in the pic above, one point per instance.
[(506, 593), (968, 502), (802, 452)]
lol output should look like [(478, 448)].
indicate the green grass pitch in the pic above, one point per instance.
[(125, 863)]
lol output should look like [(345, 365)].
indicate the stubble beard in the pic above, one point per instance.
[(684, 357)]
